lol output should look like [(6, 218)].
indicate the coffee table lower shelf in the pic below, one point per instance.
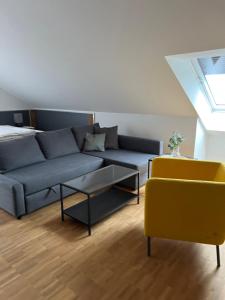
[(101, 206)]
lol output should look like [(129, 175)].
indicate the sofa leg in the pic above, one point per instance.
[(218, 255), (19, 217), (149, 246)]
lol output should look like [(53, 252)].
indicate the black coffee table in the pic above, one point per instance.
[(103, 197)]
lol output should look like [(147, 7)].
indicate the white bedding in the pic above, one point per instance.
[(8, 132)]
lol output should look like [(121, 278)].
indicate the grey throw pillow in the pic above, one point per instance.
[(94, 142), (57, 143), (111, 136), (18, 153), (80, 133)]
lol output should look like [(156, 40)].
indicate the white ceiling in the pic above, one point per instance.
[(9, 102), (104, 55)]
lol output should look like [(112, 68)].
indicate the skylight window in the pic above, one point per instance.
[(216, 83), (202, 76), (212, 75)]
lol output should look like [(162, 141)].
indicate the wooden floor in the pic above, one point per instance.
[(41, 258)]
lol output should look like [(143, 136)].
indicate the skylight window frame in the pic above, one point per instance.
[(206, 88)]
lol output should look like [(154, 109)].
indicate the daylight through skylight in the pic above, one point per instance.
[(213, 77), (216, 83)]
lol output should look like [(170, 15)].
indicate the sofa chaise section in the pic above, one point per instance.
[(133, 153), (129, 159)]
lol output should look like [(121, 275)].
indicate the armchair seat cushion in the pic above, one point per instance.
[(130, 159), (52, 172)]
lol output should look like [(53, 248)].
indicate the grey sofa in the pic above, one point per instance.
[(32, 167)]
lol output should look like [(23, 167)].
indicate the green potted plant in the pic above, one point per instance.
[(174, 143)]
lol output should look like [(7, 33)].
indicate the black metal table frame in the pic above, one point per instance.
[(89, 198), (149, 162)]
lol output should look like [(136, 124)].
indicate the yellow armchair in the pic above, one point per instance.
[(185, 200)]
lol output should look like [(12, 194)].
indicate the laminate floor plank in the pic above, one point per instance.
[(42, 258)]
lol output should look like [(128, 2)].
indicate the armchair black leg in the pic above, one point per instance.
[(149, 246), (218, 255)]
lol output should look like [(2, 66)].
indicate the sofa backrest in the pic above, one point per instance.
[(141, 144), (18, 153), (57, 143)]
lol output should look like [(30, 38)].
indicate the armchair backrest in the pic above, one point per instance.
[(220, 174), (178, 168)]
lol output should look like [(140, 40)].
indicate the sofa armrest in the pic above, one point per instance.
[(141, 144), (188, 210), (12, 196)]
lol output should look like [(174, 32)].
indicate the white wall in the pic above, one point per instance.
[(9, 102), (216, 146), (152, 126), (201, 141)]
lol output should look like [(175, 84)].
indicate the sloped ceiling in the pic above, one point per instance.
[(9, 102), (104, 55)]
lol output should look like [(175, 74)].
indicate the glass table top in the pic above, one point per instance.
[(102, 178)]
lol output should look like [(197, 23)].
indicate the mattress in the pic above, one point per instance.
[(8, 132)]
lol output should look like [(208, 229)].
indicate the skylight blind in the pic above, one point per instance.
[(212, 65)]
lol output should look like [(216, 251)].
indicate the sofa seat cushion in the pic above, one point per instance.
[(51, 172), (130, 159)]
